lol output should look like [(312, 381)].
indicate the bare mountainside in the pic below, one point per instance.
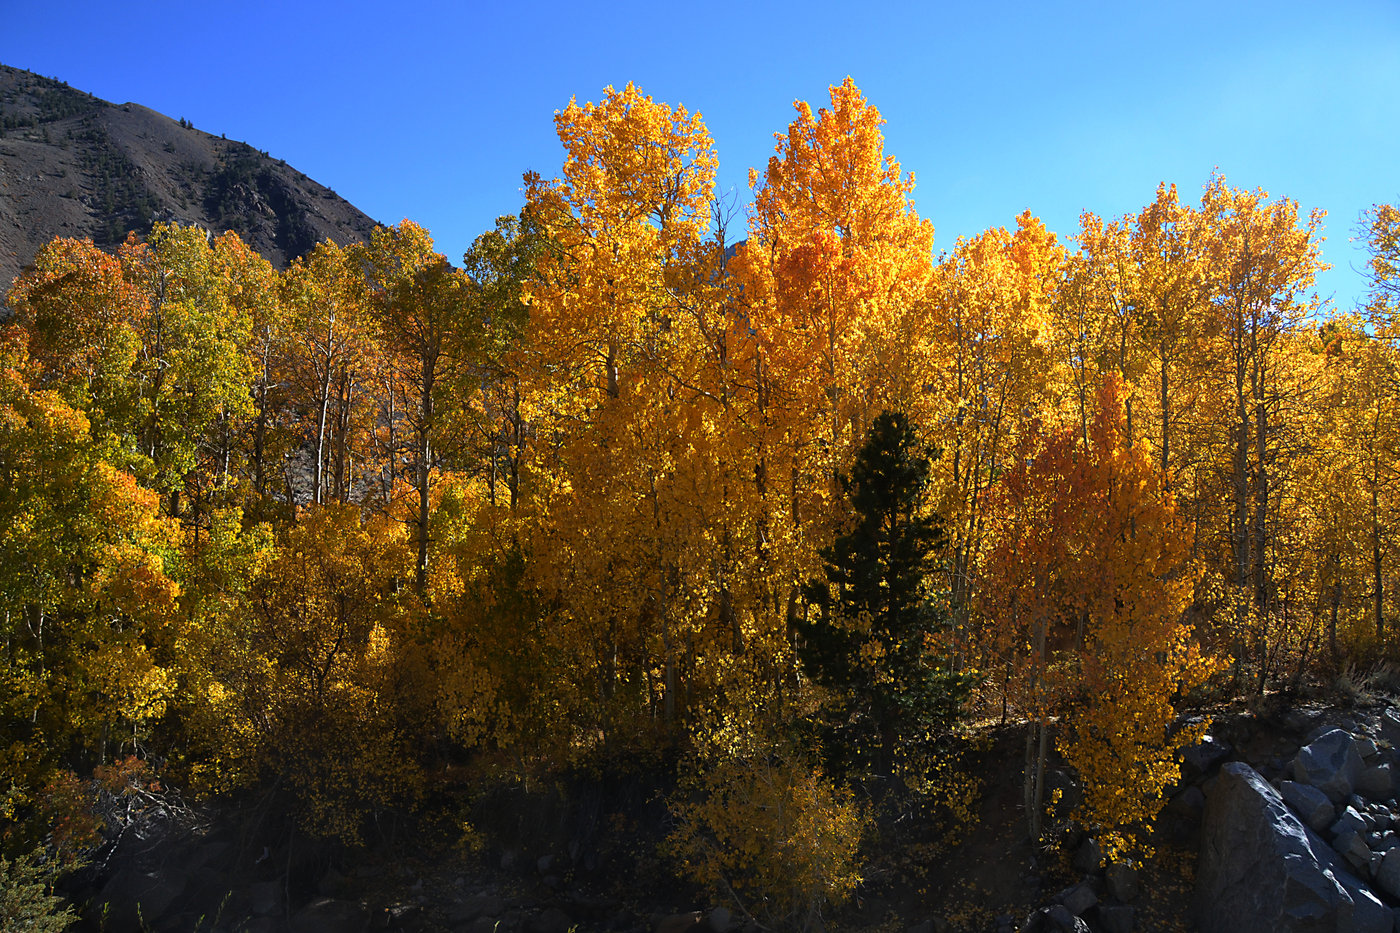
[(74, 165)]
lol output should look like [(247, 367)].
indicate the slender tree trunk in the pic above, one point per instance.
[(1377, 578), (1166, 422)]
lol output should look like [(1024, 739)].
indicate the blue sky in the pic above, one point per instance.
[(432, 111)]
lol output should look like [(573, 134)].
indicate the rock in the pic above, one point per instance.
[(1188, 805), (1351, 821), (1367, 912), (1116, 918), (1376, 782), (515, 862), (265, 898), (481, 905), (1258, 872), (1122, 878), (1388, 878), (678, 923), (1390, 726), (1055, 919), (1198, 760), (1365, 746), (1352, 847), (481, 925), (402, 919), (1078, 899), (721, 920), (1311, 804), (552, 920), (327, 915), (1329, 763), (135, 900), (1087, 856), (1369, 915), (1297, 720)]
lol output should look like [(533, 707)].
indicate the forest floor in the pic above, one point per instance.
[(578, 855)]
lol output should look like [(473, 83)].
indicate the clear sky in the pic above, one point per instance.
[(432, 110)]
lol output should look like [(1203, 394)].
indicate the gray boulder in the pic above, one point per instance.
[(1258, 871), (1390, 726), (1199, 759), (1351, 821), (1369, 915), (131, 900), (1079, 899), (1352, 847), (1055, 919), (265, 898), (551, 920), (1087, 857), (1122, 878), (1309, 803), (1329, 763), (326, 915), (1376, 783), (722, 920), (1388, 877), (1116, 918)]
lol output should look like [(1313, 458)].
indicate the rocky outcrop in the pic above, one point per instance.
[(1259, 871), (1331, 764)]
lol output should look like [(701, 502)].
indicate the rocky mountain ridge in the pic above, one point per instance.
[(75, 165)]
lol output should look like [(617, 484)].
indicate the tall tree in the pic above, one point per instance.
[(875, 642), (1263, 261), (433, 330)]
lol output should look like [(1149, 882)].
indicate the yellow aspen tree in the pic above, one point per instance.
[(85, 598), (328, 358), (990, 329), (1382, 228), (612, 349), (1262, 261)]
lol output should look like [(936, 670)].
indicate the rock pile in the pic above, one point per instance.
[(1316, 849)]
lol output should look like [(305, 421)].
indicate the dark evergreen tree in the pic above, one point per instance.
[(868, 639)]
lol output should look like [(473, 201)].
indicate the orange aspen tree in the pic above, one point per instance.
[(1130, 582), (1092, 582), (828, 285)]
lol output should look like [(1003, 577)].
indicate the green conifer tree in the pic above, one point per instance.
[(869, 642)]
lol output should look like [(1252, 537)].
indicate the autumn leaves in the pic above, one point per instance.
[(571, 500)]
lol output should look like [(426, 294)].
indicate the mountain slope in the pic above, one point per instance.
[(77, 166)]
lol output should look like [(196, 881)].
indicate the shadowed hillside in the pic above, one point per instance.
[(74, 165)]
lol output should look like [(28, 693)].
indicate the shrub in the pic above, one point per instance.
[(770, 834), (27, 901)]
